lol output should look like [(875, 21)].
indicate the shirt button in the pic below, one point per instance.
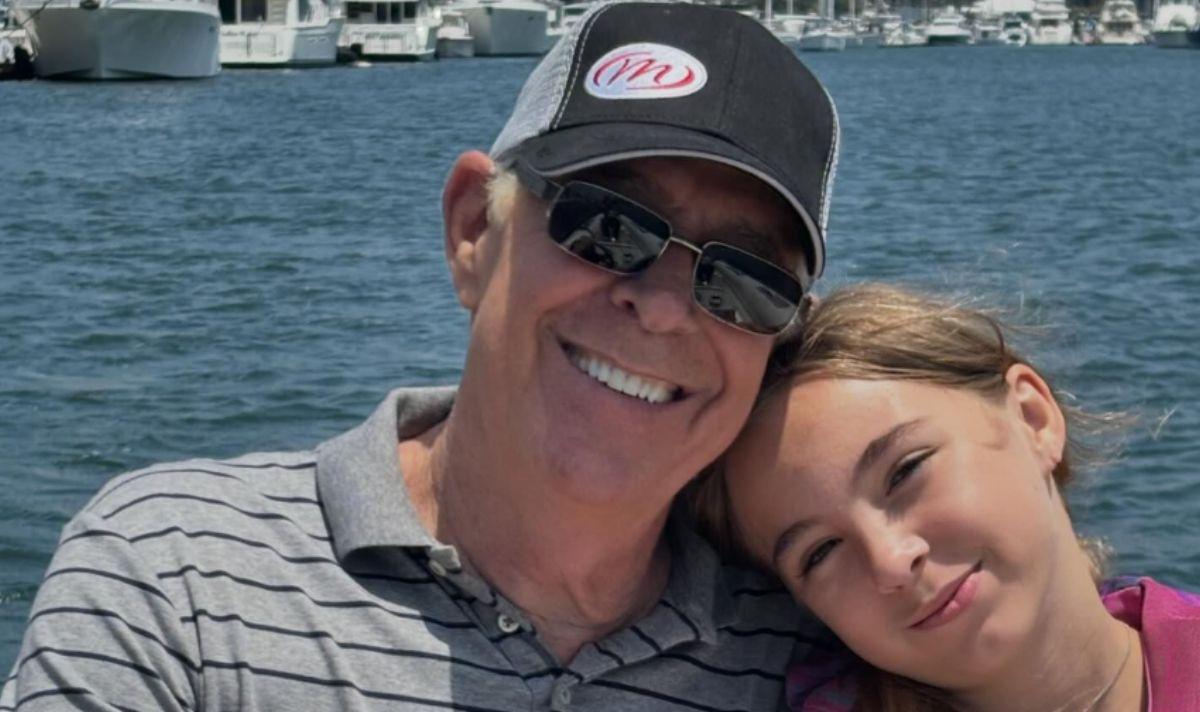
[(506, 624), (564, 696), (437, 569)]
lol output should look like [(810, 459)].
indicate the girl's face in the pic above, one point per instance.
[(919, 522)]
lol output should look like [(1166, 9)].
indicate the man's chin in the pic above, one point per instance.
[(599, 479)]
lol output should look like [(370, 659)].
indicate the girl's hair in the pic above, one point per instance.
[(882, 332)]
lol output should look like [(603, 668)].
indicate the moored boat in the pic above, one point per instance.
[(280, 33), (454, 40), (16, 55), (1050, 23), (904, 35), (1177, 24), (390, 30), (1014, 30), (986, 31), (122, 39), (504, 28), (1119, 24), (948, 28)]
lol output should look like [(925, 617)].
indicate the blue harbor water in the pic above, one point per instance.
[(250, 262)]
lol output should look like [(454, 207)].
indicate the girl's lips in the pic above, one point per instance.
[(952, 601)]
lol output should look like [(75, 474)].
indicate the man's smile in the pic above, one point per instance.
[(649, 389)]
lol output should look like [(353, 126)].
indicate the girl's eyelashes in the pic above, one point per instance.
[(905, 469), (818, 555)]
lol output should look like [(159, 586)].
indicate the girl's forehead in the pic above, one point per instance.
[(830, 420)]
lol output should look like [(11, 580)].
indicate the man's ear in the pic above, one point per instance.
[(465, 216), (1039, 412)]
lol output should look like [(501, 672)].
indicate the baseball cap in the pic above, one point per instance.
[(634, 79)]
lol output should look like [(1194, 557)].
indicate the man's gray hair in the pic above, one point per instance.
[(502, 189)]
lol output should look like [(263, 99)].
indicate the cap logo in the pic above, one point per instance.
[(645, 71)]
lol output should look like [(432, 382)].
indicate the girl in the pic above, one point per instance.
[(903, 476)]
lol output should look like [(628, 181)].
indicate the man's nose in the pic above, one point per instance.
[(895, 556), (660, 297)]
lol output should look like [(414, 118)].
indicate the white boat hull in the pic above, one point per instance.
[(1050, 38), (455, 47), (1120, 38), (267, 45), (124, 39), (502, 31), (864, 41), (1050, 35), (1016, 38), (822, 43), (414, 42)]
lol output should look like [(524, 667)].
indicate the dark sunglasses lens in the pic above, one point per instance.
[(606, 229), (744, 290)]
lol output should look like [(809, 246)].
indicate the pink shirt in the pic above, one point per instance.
[(1167, 619), (1169, 623)]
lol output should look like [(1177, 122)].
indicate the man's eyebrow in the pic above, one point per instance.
[(870, 455)]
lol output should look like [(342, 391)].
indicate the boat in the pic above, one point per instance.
[(948, 28), (390, 30), (504, 28), (1177, 24), (454, 40), (15, 54), (904, 35), (875, 26), (861, 34), (987, 31), (789, 28), (15, 51), (822, 36), (562, 18), (1119, 24), (1050, 23), (122, 39), (1014, 30), (280, 33)]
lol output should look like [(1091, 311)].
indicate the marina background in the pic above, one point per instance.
[(248, 263)]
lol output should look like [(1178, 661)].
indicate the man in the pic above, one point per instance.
[(644, 227)]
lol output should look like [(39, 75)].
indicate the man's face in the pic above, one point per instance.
[(556, 342)]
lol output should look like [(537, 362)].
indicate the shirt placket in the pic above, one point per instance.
[(508, 629)]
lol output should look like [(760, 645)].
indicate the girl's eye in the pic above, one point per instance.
[(905, 470), (818, 555)]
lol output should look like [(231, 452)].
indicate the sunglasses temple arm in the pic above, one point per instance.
[(543, 188)]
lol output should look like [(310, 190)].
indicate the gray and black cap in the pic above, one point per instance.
[(639, 79)]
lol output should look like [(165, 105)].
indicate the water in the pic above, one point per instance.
[(249, 263)]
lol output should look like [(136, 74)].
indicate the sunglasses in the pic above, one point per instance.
[(612, 232)]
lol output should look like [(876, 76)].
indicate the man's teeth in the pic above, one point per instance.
[(648, 389)]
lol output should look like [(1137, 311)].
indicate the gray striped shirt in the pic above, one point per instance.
[(304, 581)]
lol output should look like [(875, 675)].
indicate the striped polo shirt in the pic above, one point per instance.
[(304, 581)]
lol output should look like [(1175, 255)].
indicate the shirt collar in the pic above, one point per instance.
[(358, 473)]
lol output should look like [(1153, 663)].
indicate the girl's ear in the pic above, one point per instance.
[(1030, 396), (465, 216)]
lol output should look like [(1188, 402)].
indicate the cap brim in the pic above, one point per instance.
[(571, 149)]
